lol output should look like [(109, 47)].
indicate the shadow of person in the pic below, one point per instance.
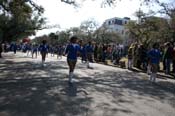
[(71, 90)]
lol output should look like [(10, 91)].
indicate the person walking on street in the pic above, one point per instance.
[(89, 52), (59, 52), (154, 56), (72, 51), (34, 50), (43, 50), (83, 52)]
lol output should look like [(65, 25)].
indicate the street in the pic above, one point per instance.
[(28, 89)]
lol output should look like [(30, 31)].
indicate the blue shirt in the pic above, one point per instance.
[(60, 50), (89, 48), (72, 50), (51, 49), (154, 56), (83, 50), (35, 48), (28, 47), (43, 48)]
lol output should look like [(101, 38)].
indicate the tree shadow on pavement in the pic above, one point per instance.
[(24, 93), (27, 89), (41, 97), (117, 82)]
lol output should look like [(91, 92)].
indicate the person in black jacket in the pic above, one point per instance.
[(173, 58), (0, 50), (168, 57), (143, 57)]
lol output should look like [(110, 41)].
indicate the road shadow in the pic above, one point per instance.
[(41, 97), (25, 93), (118, 82)]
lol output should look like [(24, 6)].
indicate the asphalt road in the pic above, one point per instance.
[(28, 89)]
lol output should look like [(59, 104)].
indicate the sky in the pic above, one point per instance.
[(68, 16)]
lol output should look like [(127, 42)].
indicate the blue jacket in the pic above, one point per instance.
[(72, 51), (154, 55)]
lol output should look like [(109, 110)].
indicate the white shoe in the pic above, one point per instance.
[(90, 67), (70, 77)]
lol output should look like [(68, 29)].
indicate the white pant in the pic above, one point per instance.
[(153, 77), (149, 69), (130, 63)]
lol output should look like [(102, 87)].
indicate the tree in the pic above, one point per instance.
[(19, 19), (104, 3), (63, 36), (151, 29), (105, 35), (168, 9), (53, 38), (88, 27)]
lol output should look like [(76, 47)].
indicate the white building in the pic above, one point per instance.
[(117, 25)]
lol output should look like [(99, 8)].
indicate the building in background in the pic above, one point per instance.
[(117, 25)]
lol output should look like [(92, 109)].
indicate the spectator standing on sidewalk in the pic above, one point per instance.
[(143, 57), (173, 58), (96, 52), (89, 52), (0, 50), (168, 57), (130, 57)]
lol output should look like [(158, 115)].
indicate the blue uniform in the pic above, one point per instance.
[(72, 50), (43, 48), (89, 49), (89, 52), (83, 53), (51, 49), (60, 50), (35, 49), (154, 56), (28, 47)]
